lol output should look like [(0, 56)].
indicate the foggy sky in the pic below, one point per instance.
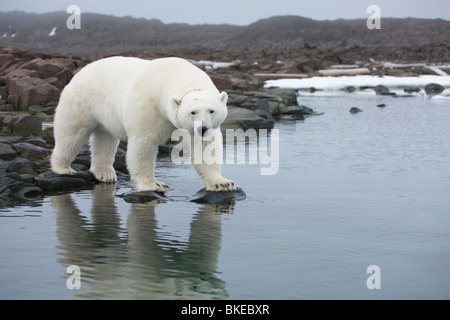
[(241, 12)]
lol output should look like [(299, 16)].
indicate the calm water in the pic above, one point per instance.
[(353, 190)]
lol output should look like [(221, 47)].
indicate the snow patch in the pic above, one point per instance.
[(53, 32)]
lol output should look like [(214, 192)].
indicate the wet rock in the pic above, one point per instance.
[(13, 191), (19, 166), (383, 91), (433, 89), (50, 181), (219, 198), (10, 139), (37, 142), (84, 158), (31, 151), (48, 110), (245, 119), (48, 136), (259, 106), (287, 96), (27, 125), (7, 152), (142, 197), (297, 111), (355, 110), (411, 89)]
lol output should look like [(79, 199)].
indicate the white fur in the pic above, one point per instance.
[(142, 102)]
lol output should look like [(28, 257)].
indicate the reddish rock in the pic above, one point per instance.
[(20, 73), (221, 83), (14, 100), (32, 91), (60, 70), (6, 57), (3, 92)]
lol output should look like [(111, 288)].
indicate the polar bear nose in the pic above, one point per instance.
[(204, 129)]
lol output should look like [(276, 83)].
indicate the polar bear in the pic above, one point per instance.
[(142, 102)]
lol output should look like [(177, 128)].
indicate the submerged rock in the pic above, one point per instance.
[(355, 110), (221, 197)]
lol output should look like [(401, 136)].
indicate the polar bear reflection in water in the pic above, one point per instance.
[(141, 102), (139, 258)]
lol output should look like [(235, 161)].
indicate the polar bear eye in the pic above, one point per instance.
[(193, 112), (211, 111)]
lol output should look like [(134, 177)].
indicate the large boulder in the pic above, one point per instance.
[(57, 71), (30, 90), (27, 125)]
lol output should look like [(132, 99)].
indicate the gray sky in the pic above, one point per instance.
[(240, 12)]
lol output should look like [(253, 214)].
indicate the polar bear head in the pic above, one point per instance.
[(199, 111)]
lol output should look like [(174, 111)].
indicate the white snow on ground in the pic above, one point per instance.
[(212, 64), (328, 85), (53, 32)]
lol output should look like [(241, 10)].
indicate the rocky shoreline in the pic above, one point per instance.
[(30, 86)]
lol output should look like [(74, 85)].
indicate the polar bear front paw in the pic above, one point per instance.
[(220, 184), (61, 166), (63, 170), (154, 185), (107, 175)]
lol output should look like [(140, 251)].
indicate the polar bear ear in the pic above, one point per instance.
[(175, 102), (224, 97)]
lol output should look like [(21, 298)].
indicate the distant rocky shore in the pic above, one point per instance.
[(31, 83)]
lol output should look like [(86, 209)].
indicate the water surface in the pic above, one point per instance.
[(352, 190)]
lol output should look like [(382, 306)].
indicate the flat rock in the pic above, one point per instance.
[(50, 181), (142, 196), (219, 198), (31, 151)]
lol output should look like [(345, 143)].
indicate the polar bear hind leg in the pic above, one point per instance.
[(69, 138), (103, 151)]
